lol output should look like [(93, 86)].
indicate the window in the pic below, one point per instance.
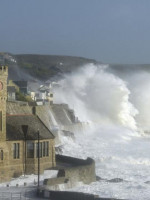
[(30, 150), (43, 149), (47, 148), (16, 150), (1, 155), (39, 150)]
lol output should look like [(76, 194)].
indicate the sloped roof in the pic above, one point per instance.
[(14, 129), (32, 103), (21, 83), (14, 108), (44, 88)]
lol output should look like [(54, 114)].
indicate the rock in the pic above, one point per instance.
[(115, 180)]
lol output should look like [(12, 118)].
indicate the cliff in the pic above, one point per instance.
[(44, 67)]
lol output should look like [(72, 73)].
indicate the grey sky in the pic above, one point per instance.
[(111, 31)]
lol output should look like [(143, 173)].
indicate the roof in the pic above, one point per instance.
[(21, 83), (32, 103), (44, 88), (14, 128), (11, 89)]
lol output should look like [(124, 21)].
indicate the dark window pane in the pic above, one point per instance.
[(44, 152), (16, 150), (2, 155), (37, 154), (40, 149), (30, 150), (1, 121), (47, 148)]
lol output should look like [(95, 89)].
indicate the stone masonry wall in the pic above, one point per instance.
[(10, 167), (81, 170), (18, 165), (74, 170), (3, 98)]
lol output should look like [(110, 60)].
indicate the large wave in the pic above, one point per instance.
[(97, 96), (116, 105)]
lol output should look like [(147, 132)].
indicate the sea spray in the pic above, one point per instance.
[(110, 106), (139, 85), (106, 102), (97, 96), (138, 82)]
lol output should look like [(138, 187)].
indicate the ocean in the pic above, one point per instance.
[(113, 103)]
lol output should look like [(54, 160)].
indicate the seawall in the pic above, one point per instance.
[(67, 195), (71, 171)]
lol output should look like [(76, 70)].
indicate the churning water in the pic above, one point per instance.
[(115, 105)]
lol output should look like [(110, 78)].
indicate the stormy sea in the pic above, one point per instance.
[(113, 104)]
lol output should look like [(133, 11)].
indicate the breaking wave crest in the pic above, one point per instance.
[(114, 107), (97, 96)]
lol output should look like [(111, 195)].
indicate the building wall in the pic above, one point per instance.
[(4, 163), (3, 98), (45, 162), (4, 151), (11, 166), (16, 165), (11, 83), (24, 165), (11, 96)]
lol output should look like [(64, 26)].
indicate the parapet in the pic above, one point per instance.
[(3, 70)]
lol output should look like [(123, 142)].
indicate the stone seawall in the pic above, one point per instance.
[(72, 171), (77, 170), (67, 195)]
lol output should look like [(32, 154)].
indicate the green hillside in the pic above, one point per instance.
[(44, 67)]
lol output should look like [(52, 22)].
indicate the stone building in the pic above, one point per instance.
[(44, 95), (19, 152), (12, 84), (11, 93), (23, 86)]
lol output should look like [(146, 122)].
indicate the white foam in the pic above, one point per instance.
[(120, 150), (97, 96)]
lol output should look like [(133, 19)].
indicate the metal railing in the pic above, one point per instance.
[(25, 195)]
